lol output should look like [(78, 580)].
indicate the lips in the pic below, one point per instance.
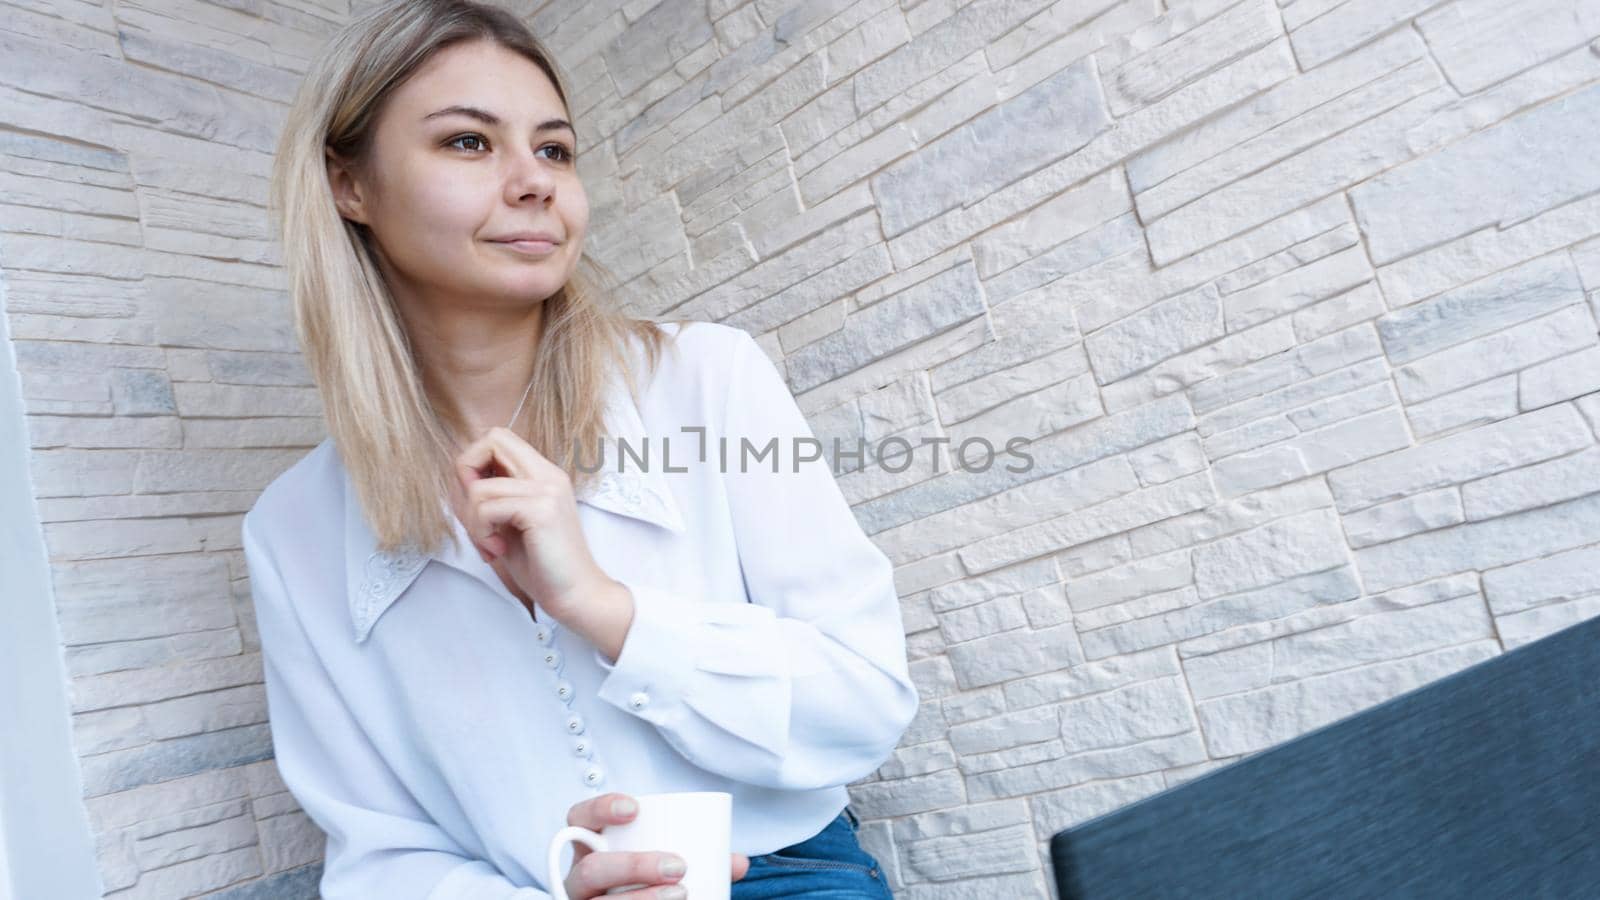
[(535, 248), (527, 236)]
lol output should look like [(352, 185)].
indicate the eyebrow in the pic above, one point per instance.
[(489, 118)]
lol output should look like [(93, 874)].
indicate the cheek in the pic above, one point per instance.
[(574, 203), (576, 218), (427, 207), (444, 205)]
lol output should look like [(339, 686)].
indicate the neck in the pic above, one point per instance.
[(476, 363)]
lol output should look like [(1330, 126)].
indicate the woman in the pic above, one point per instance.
[(671, 620)]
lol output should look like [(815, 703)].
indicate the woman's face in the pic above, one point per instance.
[(472, 150)]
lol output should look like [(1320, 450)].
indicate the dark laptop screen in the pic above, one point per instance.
[(1483, 784)]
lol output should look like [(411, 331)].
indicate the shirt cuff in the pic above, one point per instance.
[(673, 640), (656, 661)]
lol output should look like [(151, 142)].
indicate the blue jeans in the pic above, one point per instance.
[(827, 866)]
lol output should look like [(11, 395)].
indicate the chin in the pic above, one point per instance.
[(537, 288)]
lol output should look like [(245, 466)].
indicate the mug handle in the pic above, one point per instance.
[(575, 834)]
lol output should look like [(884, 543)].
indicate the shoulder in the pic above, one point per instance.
[(705, 343), (309, 491), (697, 377), (701, 354)]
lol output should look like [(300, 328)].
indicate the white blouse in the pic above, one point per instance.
[(439, 733)]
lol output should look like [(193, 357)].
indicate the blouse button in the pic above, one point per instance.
[(593, 776), (543, 633), (574, 724), (581, 748), (552, 658), (639, 700), (564, 689)]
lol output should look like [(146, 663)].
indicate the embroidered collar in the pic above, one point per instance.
[(374, 579)]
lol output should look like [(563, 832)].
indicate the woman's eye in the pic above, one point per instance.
[(561, 154)]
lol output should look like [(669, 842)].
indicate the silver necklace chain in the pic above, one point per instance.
[(524, 399), (525, 392)]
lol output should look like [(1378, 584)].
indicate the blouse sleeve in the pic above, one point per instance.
[(380, 843), (806, 685)]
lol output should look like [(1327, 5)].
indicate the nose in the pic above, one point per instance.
[(529, 177)]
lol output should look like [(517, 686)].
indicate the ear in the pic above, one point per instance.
[(347, 190)]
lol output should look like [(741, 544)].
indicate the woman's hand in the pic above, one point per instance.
[(520, 509), (595, 872)]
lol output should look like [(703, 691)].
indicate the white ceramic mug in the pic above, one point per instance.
[(695, 825)]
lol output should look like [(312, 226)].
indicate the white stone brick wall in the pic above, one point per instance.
[(162, 389), (1296, 301)]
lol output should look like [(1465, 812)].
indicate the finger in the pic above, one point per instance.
[(491, 488), (502, 451), (473, 459), (467, 470), (598, 812), (490, 546), (526, 461), (502, 520), (741, 865), (486, 529), (535, 493), (477, 529), (497, 509), (660, 892), (493, 547), (602, 870)]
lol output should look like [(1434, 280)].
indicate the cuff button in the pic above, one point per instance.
[(639, 700)]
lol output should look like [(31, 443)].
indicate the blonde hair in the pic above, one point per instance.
[(387, 432)]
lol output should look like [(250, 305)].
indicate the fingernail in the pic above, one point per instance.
[(623, 807), (676, 892), (672, 868)]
